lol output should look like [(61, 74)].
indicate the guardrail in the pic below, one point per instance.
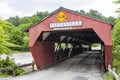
[(17, 67), (112, 71)]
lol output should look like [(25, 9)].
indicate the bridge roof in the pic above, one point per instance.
[(62, 8)]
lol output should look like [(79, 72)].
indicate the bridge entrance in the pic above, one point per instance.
[(69, 43)]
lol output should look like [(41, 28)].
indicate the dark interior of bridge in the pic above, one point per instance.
[(69, 43)]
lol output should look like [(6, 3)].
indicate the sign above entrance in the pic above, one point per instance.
[(61, 16), (65, 24)]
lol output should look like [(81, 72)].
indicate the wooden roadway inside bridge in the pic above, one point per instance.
[(84, 66)]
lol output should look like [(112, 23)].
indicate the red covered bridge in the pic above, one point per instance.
[(68, 27)]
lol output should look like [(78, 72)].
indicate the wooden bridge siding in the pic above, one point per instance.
[(43, 53)]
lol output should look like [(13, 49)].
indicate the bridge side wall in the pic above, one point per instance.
[(43, 53)]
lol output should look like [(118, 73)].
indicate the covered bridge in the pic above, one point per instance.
[(69, 27)]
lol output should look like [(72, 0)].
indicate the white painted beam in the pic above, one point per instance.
[(62, 37), (45, 35)]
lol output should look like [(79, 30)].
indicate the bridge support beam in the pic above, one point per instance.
[(108, 55)]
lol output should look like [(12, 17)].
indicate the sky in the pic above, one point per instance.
[(10, 8)]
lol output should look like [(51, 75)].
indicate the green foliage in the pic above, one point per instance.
[(95, 45), (41, 15), (109, 76), (17, 36), (8, 62), (18, 22), (25, 42), (96, 14), (5, 30), (116, 63), (110, 19), (116, 42), (20, 38), (117, 2), (116, 45), (23, 26), (116, 36), (14, 20), (82, 11), (19, 71), (116, 32)]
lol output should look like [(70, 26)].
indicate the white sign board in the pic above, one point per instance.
[(65, 24)]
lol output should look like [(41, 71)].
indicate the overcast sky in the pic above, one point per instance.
[(29, 7)]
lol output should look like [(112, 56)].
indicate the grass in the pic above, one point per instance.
[(109, 76)]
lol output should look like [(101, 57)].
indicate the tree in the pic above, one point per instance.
[(14, 20), (95, 13), (116, 42), (116, 45), (117, 2), (5, 44), (110, 19), (42, 14), (82, 11), (116, 32)]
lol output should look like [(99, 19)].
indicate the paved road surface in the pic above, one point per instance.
[(75, 68)]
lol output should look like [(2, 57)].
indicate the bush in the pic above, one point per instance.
[(8, 62), (19, 71)]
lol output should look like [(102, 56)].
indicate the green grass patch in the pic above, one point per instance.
[(95, 45), (109, 76)]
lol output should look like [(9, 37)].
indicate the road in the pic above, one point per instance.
[(76, 68)]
